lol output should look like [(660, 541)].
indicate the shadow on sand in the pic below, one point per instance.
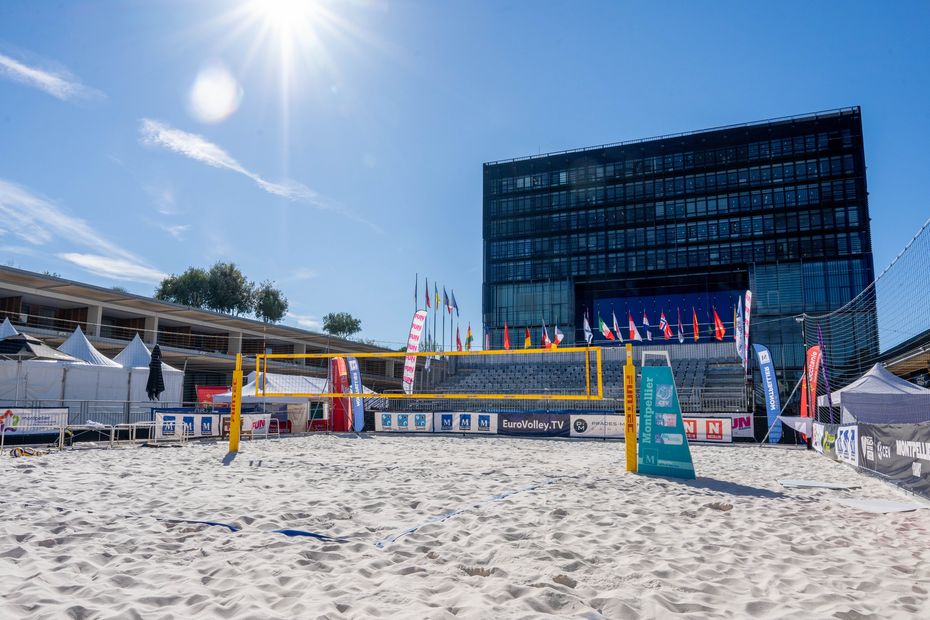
[(731, 488)]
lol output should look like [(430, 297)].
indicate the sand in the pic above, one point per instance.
[(85, 534)]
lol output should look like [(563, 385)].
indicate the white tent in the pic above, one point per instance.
[(880, 397), (136, 357), (98, 379), (77, 345), (280, 384), (7, 329)]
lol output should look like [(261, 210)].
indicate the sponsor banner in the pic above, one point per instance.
[(746, 318), (817, 437), (897, 452), (404, 422), (770, 389), (742, 425), (171, 424), (205, 394), (663, 446), (466, 422), (598, 426), (413, 345), (16, 421), (358, 403), (713, 430), (847, 444), (534, 424), (256, 423)]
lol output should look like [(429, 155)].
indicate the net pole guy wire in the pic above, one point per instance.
[(261, 361)]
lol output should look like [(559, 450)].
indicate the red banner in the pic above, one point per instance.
[(809, 385), (205, 394)]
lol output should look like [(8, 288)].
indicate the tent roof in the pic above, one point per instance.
[(7, 329), (79, 346), (137, 355), (26, 347), (281, 384), (878, 380)]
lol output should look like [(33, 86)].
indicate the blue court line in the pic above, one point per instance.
[(384, 542), (381, 544)]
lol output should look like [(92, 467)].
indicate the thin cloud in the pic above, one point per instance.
[(38, 222), (302, 273), (58, 84), (306, 321), (115, 268), (177, 230), (157, 134)]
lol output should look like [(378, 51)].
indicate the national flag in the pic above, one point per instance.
[(436, 294), (681, 333), (588, 336), (634, 332), (719, 330), (454, 305), (527, 341), (506, 337), (646, 326), (559, 336), (664, 327), (605, 331), (697, 334), (458, 339), (427, 294), (445, 300), (617, 329), (468, 338), (546, 343)]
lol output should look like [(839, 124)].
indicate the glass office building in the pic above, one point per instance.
[(682, 225)]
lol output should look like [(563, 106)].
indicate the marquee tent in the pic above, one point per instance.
[(880, 397), (136, 357), (77, 345), (98, 379), (30, 370), (7, 329)]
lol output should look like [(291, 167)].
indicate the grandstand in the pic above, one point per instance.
[(709, 378)]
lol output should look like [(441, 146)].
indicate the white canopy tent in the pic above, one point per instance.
[(98, 378), (280, 384), (880, 397), (135, 358), (7, 329)]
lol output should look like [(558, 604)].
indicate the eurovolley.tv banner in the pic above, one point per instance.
[(663, 446), (899, 453), (770, 389), (534, 424)]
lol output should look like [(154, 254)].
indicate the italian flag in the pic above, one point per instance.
[(604, 329)]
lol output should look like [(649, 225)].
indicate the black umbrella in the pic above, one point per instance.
[(156, 383)]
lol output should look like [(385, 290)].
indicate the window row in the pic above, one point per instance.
[(675, 162), (693, 257), (742, 178), (825, 194), (661, 235)]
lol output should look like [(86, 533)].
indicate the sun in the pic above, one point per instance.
[(285, 19)]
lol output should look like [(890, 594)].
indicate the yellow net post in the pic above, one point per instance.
[(235, 406), (629, 409)]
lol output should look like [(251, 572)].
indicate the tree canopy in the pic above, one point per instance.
[(224, 288), (341, 324)]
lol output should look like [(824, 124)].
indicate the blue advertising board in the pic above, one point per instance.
[(663, 446), (534, 424), (770, 389), (358, 403)]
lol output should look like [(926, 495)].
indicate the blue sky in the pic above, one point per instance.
[(339, 152)]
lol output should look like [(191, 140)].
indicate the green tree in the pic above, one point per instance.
[(270, 303), (228, 290), (191, 288), (341, 324)]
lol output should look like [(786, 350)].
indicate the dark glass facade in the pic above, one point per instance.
[(779, 207)]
